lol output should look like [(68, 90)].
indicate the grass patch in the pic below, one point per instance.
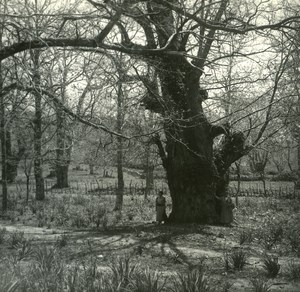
[(271, 265), (236, 259), (246, 236), (260, 285), (193, 281)]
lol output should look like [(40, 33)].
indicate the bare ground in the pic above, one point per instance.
[(168, 249)]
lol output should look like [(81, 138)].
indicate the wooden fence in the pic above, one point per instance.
[(95, 187), (256, 191)]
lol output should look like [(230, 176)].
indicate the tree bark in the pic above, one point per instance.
[(198, 180), (192, 186), (231, 150)]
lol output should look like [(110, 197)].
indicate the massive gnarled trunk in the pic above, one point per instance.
[(192, 183), (197, 173), (188, 157)]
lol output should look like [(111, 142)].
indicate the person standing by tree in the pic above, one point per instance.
[(160, 204)]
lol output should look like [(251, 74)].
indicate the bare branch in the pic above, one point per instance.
[(223, 27), (71, 113), (101, 36), (5, 90), (161, 150), (267, 118)]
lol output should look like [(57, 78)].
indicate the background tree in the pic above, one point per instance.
[(3, 121), (59, 70), (3, 145)]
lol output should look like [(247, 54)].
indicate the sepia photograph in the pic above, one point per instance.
[(150, 145)]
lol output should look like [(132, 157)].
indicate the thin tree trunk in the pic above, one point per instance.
[(149, 180), (38, 161), (297, 185), (263, 179), (297, 134), (62, 176), (13, 159), (120, 116), (120, 189), (62, 153), (2, 126), (3, 147), (14, 154), (149, 169), (27, 172), (10, 169)]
